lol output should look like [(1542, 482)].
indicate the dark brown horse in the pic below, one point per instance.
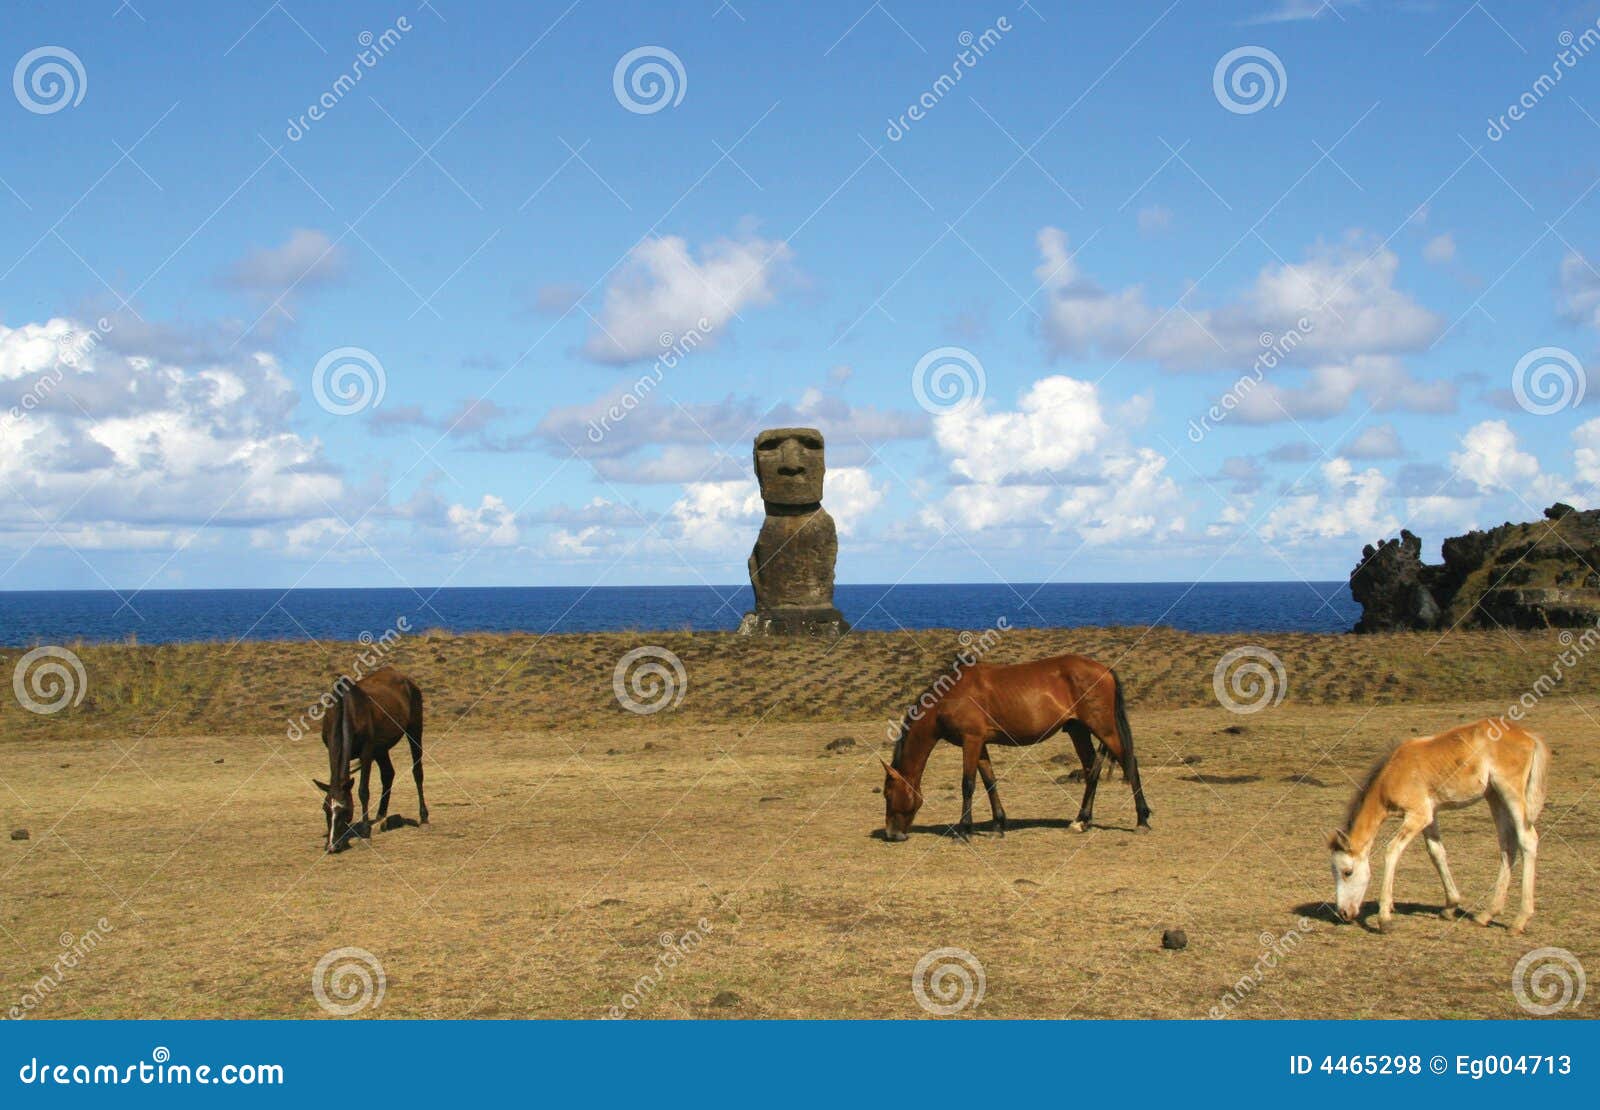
[(1018, 704), (367, 719)]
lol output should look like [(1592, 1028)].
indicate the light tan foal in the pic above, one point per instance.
[(1493, 759)]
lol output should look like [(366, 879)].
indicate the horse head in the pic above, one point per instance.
[(339, 735), (901, 800)]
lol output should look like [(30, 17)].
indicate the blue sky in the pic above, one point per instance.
[(1081, 246)]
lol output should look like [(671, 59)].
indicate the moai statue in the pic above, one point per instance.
[(791, 567)]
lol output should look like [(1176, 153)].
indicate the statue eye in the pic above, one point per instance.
[(812, 444)]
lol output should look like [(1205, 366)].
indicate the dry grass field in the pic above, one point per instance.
[(568, 835)]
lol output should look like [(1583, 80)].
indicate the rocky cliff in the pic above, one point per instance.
[(1536, 575)]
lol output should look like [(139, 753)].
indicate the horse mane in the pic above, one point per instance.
[(1367, 780)]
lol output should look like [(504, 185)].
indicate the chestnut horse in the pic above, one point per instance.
[(367, 719), (1015, 704), (1493, 760)]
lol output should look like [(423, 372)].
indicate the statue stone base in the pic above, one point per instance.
[(828, 622)]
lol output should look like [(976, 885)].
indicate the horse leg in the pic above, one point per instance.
[(366, 778), (970, 750), (415, 740), (986, 769), (1508, 855), (1452, 895), (1528, 841), (1409, 828), (386, 779), (1083, 742)]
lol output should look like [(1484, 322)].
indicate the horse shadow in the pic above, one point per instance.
[(1013, 824), (1324, 913)]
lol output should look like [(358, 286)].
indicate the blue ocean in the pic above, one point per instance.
[(165, 616)]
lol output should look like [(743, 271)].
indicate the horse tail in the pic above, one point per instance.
[(1130, 765), (1534, 789), (1124, 730)]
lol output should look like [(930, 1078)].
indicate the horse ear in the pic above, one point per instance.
[(1339, 841), (320, 785)]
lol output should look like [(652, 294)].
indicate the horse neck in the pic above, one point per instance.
[(1366, 818), (916, 744)]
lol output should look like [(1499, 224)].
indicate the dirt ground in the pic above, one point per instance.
[(719, 859)]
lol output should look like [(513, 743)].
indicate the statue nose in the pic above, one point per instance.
[(791, 471)]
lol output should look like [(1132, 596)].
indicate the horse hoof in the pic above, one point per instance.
[(1078, 826), (1141, 828), (1450, 913), (1517, 930), (1483, 918)]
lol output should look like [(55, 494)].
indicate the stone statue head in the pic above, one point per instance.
[(789, 465)]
